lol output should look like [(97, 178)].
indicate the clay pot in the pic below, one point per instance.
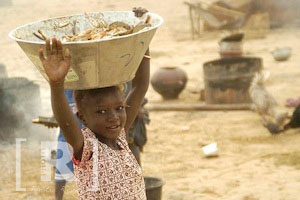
[(169, 82)]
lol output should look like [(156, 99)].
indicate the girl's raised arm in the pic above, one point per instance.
[(140, 86), (57, 65), (140, 83)]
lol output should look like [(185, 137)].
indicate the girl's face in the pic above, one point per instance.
[(104, 114)]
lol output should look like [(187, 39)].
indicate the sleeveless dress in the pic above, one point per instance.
[(107, 174)]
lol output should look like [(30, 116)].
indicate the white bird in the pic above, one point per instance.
[(265, 104)]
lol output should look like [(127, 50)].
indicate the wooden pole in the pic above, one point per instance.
[(192, 22), (197, 16), (197, 107), (191, 8)]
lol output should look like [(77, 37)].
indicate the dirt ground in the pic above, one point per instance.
[(252, 164)]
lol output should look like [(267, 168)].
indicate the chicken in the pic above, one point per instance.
[(266, 105), (295, 120)]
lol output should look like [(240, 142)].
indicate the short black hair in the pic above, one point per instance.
[(79, 95)]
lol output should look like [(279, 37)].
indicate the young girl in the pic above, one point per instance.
[(105, 168)]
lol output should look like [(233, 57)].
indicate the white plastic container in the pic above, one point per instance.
[(94, 63), (210, 150)]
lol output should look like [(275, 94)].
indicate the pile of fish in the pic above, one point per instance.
[(100, 30)]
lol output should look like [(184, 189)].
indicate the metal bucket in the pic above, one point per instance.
[(231, 49), (227, 80), (153, 188), (94, 63)]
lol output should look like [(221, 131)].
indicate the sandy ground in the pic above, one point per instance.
[(252, 165)]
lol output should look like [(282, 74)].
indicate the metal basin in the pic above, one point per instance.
[(282, 54), (94, 63), (153, 188)]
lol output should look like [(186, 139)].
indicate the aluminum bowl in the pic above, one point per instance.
[(282, 54), (94, 63)]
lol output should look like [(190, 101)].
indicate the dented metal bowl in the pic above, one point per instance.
[(282, 54), (94, 63)]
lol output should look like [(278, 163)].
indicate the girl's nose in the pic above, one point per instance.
[(112, 116)]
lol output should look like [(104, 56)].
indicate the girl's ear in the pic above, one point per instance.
[(81, 117)]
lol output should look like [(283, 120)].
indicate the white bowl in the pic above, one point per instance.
[(210, 150), (282, 54), (94, 63)]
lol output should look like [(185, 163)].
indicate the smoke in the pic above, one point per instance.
[(20, 102), (281, 12)]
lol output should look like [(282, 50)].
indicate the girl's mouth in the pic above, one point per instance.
[(113, 127)]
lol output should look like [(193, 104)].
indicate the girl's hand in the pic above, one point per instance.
[(139, 11), (55, 64)]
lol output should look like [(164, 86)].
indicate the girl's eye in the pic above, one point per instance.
[(119, 108), (101, 111)]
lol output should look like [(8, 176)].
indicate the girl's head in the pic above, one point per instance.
[(102, 110)]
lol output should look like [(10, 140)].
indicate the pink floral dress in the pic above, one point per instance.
[(107, 174)]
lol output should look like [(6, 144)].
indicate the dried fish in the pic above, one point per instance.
[(117, 28), (118, 24), (38, 36), (93, 21), (139, 27), (43, 36), (63, 24), (18, 36), (147, 19), (104, 24), (75, 29)]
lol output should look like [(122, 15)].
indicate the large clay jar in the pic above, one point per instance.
[(169, 82)]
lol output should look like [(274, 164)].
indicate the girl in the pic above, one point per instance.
[(105, 168)]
